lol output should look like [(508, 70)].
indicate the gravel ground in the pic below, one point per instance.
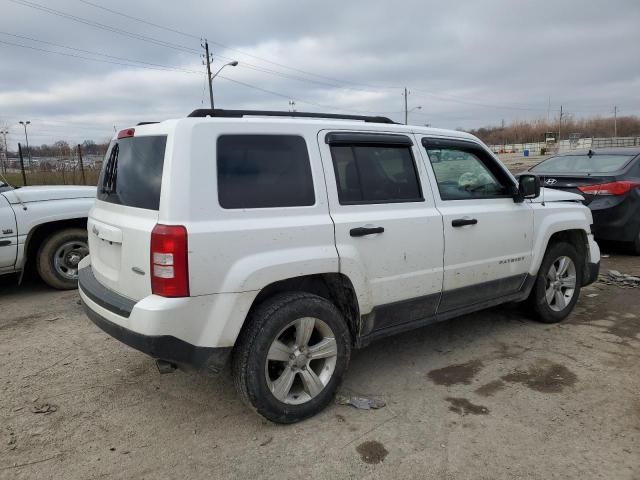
[(486, 396)]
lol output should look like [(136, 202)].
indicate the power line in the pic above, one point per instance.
[(226, 47), (131, 17), (90, 52), (183, 48), (102, 26), (163, 68)]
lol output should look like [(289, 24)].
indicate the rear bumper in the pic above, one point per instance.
[(180, 331), (616, 221), (165, 347)]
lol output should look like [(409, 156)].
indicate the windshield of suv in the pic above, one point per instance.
[(132, 172), (583, 164)]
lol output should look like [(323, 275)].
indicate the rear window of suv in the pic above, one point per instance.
[(132, 172), (262, 171)]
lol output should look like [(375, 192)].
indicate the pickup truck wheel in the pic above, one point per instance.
[(291, 356), (557, 286), (59, 255)]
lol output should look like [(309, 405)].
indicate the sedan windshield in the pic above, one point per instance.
[(583, 164)]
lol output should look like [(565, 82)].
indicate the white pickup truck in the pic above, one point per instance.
[(45, 226)]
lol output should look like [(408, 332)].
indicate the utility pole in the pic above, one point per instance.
[(26, 137), (209, 78), (615, 120), (6, 156), (559, 125), (406, 111), (84, 180)]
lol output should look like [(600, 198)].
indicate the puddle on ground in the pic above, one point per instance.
[(549, 378), (464, 407), (372, 452), (456, 374), (490, 388)]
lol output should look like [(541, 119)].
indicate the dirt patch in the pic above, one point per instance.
[(464, 407), (461, 373), (625, 328), (372, 452), (551, 378), (490, 388)]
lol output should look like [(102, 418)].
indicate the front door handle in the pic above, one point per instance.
[(461, 222), (362, 231)]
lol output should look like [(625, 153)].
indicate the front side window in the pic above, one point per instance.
[(262, 171), (461, 174), (375, 174)]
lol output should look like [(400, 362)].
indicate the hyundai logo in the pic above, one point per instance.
[(550, 181)]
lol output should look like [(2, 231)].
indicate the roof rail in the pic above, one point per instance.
[(220, 113)]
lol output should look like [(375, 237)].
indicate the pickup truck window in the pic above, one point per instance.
[(262, 171), (375, 174), (463, 175)]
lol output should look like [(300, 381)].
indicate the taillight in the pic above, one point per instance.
[(613, 188), (169, 261)]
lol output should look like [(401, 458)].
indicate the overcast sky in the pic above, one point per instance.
[(467, 64)]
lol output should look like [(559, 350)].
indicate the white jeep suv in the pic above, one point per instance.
[(280, 241)]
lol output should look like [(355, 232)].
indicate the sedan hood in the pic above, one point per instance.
[(553, 195), (48, 192)]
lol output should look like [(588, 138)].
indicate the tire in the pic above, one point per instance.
[(635, 246), (58, 256), (258, 378), (556, 306)]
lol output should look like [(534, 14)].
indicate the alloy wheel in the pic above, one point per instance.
[(301, 360)]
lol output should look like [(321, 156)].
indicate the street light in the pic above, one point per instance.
[(407, 112), (234, 63), (26, 137)]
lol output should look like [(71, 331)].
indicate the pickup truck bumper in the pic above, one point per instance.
[(100, 302), (593, 266), (591, 275)]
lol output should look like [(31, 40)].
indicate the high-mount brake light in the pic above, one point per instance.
[(169, 261), (612, 188), (126, 133)]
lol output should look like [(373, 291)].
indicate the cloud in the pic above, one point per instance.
[(467, 64)]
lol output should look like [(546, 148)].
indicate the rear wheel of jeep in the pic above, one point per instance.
[(58, 257), (557, 286), (291, 356)]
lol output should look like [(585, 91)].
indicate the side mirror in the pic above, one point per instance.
[(528, 187)]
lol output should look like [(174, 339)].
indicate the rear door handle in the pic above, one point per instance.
[(362, 231), (461, 222), (5, 243)]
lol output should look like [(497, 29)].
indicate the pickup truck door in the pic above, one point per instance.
[(488, 237), (8, 235), (388, 232)]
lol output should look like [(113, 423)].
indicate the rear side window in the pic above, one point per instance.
[(375, 174), (132, 172), (262, 171)]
